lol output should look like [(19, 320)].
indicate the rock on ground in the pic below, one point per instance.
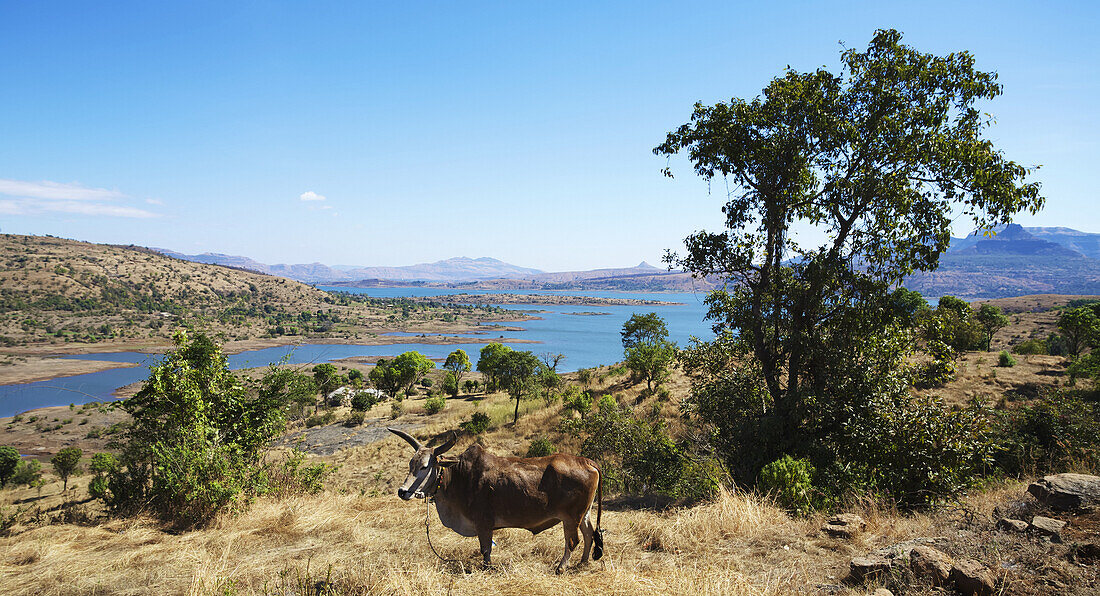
[(927, 562), (1067, 492), (844, 525), (972, 578)]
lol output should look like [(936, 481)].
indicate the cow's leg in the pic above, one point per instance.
[(486, 540), (586, 531), (571, 540)]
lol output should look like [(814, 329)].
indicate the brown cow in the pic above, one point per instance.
[(479, 492)]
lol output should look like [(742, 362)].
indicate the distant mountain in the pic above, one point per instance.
[(449, 270), (1013, 262), (1085, 243)]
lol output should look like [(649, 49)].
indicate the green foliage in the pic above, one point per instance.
[(386, 378), (586, 376), (327, 378), (477, 424), (66, 462), (450, 384), (541, 447), (952, 323), (410, 368), (515, 373), (577, 401), (810, 336), (426, 382), (790, 481), (321, 419), (293, 476), (98, 488), (470, 385), (1057, 432), (197, 436), (1031, 346), (637, 455), (27, 473), (435, 405), (1080, 327), (646, 349), (103, 463), (355, 418), (1088, 367), (457, 363), (490, 362), (990, 319), (9, 460), (363, 401), (396, 410), (1005, 360)]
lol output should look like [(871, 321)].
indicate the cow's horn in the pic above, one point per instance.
[(450, 443), (406, 436)]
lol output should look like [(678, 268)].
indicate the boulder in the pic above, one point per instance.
[(1067, 492), (1047, 526), (844, 525), (869, 567), (972, 578), (1012, 525), (929, 563)]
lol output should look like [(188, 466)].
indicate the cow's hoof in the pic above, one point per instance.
[(559, 569)]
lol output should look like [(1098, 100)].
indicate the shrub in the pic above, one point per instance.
[(575, 400), (1031, 346), (320, 419), (541, 447), (1056, 432), (396, 409), (66, 462), (477, 424), (293, 477), (363, 401), (425, 382), (355, 418), (197, 435), (9, 460), (434, 405), (790, 481), (1005, 360), (450, 384), (470, 385), (27, 473)]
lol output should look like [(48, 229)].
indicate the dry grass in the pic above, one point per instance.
[(737, 544)]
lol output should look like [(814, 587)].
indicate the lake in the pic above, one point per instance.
[(586, 340)]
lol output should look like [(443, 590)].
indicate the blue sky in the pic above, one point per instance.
[(397, 133)]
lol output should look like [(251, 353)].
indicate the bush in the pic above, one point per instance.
[(790, 481), (434, 405), (396, 409), (425, 382), (198, 432), (1031, 346), (450, 384), (1055, 433), (363, 401), (541, 447), (27, 473), (9, 460), (66, 462), (575, 400), (321, 419), (477, 424), (293, 477), (1005, 360), (639, 456), (355, 418)]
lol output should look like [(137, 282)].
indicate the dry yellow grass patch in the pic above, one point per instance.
[(737, 544)]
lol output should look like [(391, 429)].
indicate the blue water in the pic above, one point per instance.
[(586, 340)]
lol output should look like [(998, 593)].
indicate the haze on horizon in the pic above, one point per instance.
[(362, 134)]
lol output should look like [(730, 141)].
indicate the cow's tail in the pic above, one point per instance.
[(597, 534)]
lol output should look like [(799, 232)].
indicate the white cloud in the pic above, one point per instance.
[(37, 198), (309, 195), (154, 201), (55, 190)]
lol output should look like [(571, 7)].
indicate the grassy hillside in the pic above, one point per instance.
[(55, 291)]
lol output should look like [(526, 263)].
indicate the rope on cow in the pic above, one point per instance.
[(428, 533)]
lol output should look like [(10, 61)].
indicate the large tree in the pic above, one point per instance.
[(457, 363), (876, 160)]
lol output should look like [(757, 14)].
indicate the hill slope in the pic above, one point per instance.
[(54, 291)]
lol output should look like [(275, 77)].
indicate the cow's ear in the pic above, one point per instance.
[(444, 447)]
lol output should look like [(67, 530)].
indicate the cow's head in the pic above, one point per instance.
[(423, 467)]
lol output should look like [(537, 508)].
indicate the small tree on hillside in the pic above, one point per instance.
[(457, 363), (991, 320), (1081, 328), (410, 368), (646, 349), (385, 377), (66, 463), (9, 460), (489, 363), (515, 374), (328, 379)]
